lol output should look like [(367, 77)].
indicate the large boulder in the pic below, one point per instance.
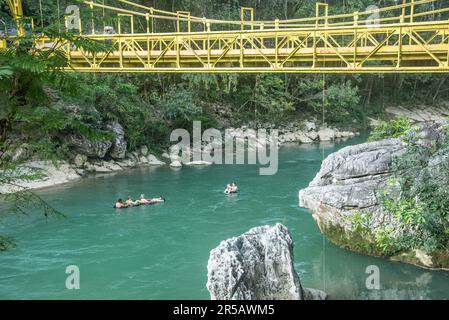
[(326, 134), (309, 126), (90, 148), (258, 265), (345, 199), (119, 146), (143, 150), (348, 182), (80, 160), (154, 161), (176, 164), (21, 153)]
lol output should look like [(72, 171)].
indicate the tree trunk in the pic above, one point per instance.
[(442, 81)]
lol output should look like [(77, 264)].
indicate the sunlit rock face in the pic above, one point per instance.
[(348, 185), (90, 148), (258, 265), (348, 181), (119, 146)]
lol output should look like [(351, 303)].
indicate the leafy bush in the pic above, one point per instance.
[(6, 243), (393, 129), (386, 241), (422, 206), (339, 99), (179, 105), (270, 99), (407, 210), (342, 105), (360, 223)]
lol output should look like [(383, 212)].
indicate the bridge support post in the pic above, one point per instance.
[(356, 24), (242, 17), (401, 35), (92, 20), (179, 16)]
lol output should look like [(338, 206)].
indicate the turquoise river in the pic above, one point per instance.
[(161, 251)]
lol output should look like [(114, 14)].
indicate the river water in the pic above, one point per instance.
[(161, 251)]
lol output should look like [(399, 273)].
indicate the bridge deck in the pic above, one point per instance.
[(394, 48), (343, 43)]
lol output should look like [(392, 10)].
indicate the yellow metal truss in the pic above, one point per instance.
[(15, 7), (346, 43)]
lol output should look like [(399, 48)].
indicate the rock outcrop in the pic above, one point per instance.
[(114, 148), (51, 174), (420, 113), (154, 161), (258, 265), (309, 133), (90, 148), (119, 146), (348, 180), (176, 164), (346, 184), (344, 197)]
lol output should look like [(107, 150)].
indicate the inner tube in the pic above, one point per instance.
[(160, 200), (135, 205)]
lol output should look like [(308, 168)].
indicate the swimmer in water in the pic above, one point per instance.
[(120, 205), (131, 203), (143, 200), (231, 188)]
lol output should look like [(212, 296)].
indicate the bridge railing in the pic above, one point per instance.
[(407, 11), (324, 43)]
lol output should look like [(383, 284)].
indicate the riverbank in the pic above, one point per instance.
[(94, 157), (387, 198)]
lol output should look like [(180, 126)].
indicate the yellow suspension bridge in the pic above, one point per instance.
[(409, 37)]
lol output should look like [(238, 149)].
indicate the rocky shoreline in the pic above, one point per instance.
[(102, 157), (308, 132), (345, 199)]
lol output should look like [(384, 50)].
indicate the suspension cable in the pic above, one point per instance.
[(288, 23), (42, 14), (59, 15)]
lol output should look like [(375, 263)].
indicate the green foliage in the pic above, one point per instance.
[(395, 128), (422, 203), (5, 72), (6, 243), (339, 100), (407, 210), (341, 105), (379, 241), (25, 71), (179, 104), (270, 98), (386, 241), (360, 223)]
